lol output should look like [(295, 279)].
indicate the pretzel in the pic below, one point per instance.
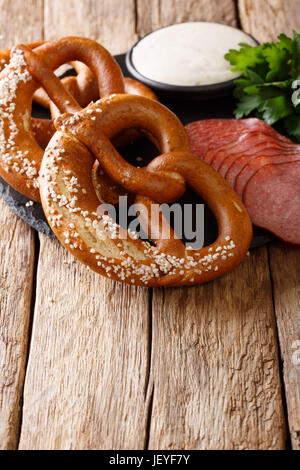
[(70, 202), (20, 153)]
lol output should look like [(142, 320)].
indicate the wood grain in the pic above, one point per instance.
[(19, 22), (265, 19), (17, 256), (154, 14), (285, 268), (222, 388), (88, 363), (111, 22)]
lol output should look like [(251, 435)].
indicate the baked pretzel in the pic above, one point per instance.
[(20, 153), (70, 202)]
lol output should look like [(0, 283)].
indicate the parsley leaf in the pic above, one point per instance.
[(277, 59), (296, 55), (274, 109), (265, 87), (247, 104)]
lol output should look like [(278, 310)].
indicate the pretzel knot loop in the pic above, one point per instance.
[(70, 201), (20, 153)]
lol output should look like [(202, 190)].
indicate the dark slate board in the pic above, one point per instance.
[(187, 111)]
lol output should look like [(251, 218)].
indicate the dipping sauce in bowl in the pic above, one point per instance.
[(187, 56)]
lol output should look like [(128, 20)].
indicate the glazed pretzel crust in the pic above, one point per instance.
[(70, 202)]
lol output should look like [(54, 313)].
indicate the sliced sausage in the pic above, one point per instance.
[(272, 197), (259, 162)]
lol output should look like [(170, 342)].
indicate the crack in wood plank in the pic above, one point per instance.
[(16, 254), (280, 356)]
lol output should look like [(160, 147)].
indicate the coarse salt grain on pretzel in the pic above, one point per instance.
[(5, 53), (83, 87), (70, 202), (20, 154), (43, 129)]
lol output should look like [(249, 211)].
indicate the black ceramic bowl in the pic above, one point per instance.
[(178, 92)]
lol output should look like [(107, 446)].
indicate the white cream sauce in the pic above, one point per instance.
[(188, 53)]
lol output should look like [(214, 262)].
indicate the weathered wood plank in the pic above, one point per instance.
[(88, 365), (110, 22), (265, 19), (88, 362), (19, 22), (17, 257), (285, 267), (154, 14), (222, 387)]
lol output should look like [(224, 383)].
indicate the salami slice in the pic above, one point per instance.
[(272, 197), (248, 146), (211, 133), (259, 162), (217, 154), (253, 144), (241, 161)]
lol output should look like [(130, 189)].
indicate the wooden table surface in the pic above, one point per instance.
[(87, 363)]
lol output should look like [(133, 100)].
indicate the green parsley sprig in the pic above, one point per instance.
[(268, 86)]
